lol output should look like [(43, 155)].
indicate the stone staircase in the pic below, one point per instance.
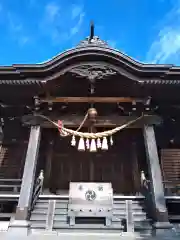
[(52, 215)]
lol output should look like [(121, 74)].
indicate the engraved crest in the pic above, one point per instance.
[(92, 72)]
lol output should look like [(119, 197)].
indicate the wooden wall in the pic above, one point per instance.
[(13, 151), (119, 165), (170, 162)]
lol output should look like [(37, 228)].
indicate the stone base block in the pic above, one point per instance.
[(18, 228)]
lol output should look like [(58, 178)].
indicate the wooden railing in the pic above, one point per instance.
[(172, 197), (146, 191), (10, 185), (37, 189), (15, 197), (172, 188)]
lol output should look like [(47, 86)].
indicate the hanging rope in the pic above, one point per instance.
[(60, 125), (66, 131), (84, 120)]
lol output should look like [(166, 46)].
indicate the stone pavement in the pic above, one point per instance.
[(174, 235)]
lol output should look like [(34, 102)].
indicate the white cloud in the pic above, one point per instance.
[(76, 11), (166, 46), (112, 43), (16, 29), (14, 26), (60, 23), (23, 40), (52, 11), (77, 25)]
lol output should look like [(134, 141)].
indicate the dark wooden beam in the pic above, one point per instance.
[(90, 99), (102, 121), (156, 184)]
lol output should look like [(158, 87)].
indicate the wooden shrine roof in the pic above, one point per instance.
[(93, 61), (89, 52)]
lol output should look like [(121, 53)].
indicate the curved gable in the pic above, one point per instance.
[(91, 51), (94, 52)]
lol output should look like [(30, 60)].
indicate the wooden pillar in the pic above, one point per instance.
[(48, 164), (29, 174), (1, 135), (135, 169), (156, 185)]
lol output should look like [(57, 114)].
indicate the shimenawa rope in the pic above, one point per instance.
[(88, 135)]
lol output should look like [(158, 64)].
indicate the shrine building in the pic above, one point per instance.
[(90, 146)]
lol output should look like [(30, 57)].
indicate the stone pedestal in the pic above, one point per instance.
[(18, 228)]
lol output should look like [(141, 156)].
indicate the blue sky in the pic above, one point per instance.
[(33, 31)]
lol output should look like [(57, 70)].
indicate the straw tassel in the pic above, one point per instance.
[(98, 143), (87, 143), (111, 140), (104, 144), (81, 145), (93, 146)]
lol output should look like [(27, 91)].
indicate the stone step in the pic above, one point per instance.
[(41, 224), (63, 207), (124, 202), (139, 226), (116, 204), (114, 201), (38, 217), (45, 205), (61, 225), (134, 206), (115, 211), (57, 200), (40, 211)]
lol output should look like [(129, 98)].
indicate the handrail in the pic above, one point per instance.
[(10, 180), (66, 196), (146, 189), (37, 189), (172, 198), (127, 197), (172, 181), (9, 196), (9, 184), (172, 187)]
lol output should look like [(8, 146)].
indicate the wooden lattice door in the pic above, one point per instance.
[(115, 165), (170, 163)]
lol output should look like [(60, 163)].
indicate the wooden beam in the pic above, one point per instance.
[(90, 99), (1, 135), (49, 155), (156, 184), (102, 121), (28, 180)]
